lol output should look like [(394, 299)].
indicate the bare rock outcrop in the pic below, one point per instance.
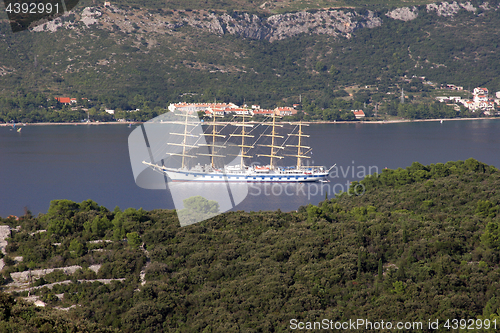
[(337, 23), (328, 22), (275, 27), (4, 234), (404, 13), (23, 277), (447, 9), (282, 26)]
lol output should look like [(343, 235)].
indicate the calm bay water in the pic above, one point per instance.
[(43, 163)]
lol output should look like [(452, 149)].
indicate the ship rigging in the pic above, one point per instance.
[(193, 147)]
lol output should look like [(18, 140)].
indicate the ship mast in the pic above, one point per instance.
[(185, 136), (243, 136), (300, 155), (215, 134), (273, 136)]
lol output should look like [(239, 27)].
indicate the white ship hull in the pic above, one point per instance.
[(255, 177)]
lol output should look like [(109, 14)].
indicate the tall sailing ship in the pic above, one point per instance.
[(191, 147)]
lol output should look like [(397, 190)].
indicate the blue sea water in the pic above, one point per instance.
[(43, 163)]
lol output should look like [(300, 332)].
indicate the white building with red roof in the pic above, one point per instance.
[(358, 114), (285, 111), (262, 112), (480, 98), (480, 101), (199, 106), (469, 104), (237, 110), (480, 91)]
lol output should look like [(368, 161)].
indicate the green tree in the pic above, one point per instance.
[(127, 221), (76, 248), (197, 209), (60, 227), (320, 66), (62, 209), (133, 239), (491, 236), (485, 208), (88, 205), (399, 287), (202, 205), (314, 213), (98, 226), (333, 70)]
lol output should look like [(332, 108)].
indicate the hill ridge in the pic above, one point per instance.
[(340, 22)]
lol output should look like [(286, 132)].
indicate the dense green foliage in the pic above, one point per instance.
[(27, 107), (421, 243), (420, 111), (17, 316)]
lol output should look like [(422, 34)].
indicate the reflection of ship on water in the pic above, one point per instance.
[(189, 146)]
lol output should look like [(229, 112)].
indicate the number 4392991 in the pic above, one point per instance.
[(32, 8), (470, 324)]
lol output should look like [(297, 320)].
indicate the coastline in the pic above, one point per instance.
[(304, 122), (74, 124), (397, 121)]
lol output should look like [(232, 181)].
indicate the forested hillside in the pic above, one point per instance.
[(122, 54), (421, 243)]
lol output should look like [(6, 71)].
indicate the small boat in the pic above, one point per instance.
[(19, 130)]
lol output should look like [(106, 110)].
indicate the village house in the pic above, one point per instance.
[(262, 112), (455, 99), (359, 114), (453, 87), (480, 98), (217, 111), (65, 100), (238, 111), (285, 111), (480, 91)]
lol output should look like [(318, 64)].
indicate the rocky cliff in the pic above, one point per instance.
[(276, 27), (338, 23)]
